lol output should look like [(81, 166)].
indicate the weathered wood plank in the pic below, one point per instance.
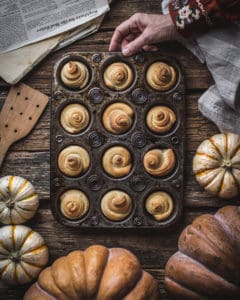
[(17, 294), (198, 128), (35, 167), (197, 76), (30, 157), (152, 255), (152, 250)]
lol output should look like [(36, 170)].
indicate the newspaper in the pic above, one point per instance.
[(23, 22), (17, 63)]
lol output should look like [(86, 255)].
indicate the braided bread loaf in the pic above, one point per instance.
[(96, 273)]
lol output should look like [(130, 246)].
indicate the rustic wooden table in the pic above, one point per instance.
[(30, 157)]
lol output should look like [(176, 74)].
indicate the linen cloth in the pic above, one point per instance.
[(220, 50)]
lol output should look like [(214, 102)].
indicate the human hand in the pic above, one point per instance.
[(141, 31)]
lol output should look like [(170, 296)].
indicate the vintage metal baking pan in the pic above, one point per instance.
[(95, 139)]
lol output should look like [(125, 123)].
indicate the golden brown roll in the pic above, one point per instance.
[(98, 273), (116, 205), (75, 74), (118, 118), (159, 162), (159, 205), (160, 119), (161, 76), (73, 160), (117, 161), (74, 118), (118, 76), (74, 204)]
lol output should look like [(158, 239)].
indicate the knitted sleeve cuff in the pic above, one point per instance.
[(193, 17)]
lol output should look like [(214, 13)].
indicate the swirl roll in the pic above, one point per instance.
[(160, 119), (117, 161), (74, 204), (160, 205), (73, 160), (159, 162), (116, 205), (74, 118), (118, 118), (161, 76), (75, 74), (118, 76)]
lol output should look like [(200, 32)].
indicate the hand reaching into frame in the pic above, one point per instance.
[(141, 32)]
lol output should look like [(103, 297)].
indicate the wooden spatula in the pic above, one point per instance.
[(19, 114)]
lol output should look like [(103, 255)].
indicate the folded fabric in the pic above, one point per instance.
[(220, 49), (213, 107)]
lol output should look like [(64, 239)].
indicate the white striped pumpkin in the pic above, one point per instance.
[(216, 165), (23, 254), (18, 200)]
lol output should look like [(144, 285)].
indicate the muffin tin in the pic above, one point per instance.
[(95, 182)]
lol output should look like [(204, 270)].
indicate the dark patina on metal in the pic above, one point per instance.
[(139, 139)]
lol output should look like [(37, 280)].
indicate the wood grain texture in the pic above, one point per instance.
[(19, 114), (30, 157)]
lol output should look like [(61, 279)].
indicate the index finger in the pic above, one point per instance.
[(120, 32)]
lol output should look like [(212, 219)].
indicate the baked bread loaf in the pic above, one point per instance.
[(73, 161), (96, 273), (161, 76), (74, 118), (160, 119), (118, 76), (160, 205), (118, 118), (75, 74), (117, 161), (74, 204), (206, 266), (159, 162), (116, 205)]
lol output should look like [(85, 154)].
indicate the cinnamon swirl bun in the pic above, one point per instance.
[(116, 205), (161, 76), (117, 161), (74, 118), (74, 204), (159, 162), (159, 205), (73, 161), (75, 74), (118, 118), (118, 76), (160, 119)]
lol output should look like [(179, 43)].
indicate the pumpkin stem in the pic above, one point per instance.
[(15, 258), (10, 203), (226, 163)]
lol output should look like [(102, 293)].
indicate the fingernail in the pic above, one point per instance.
[(126, 51)]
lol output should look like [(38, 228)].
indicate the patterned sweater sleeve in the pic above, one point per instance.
[(194, 17)]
